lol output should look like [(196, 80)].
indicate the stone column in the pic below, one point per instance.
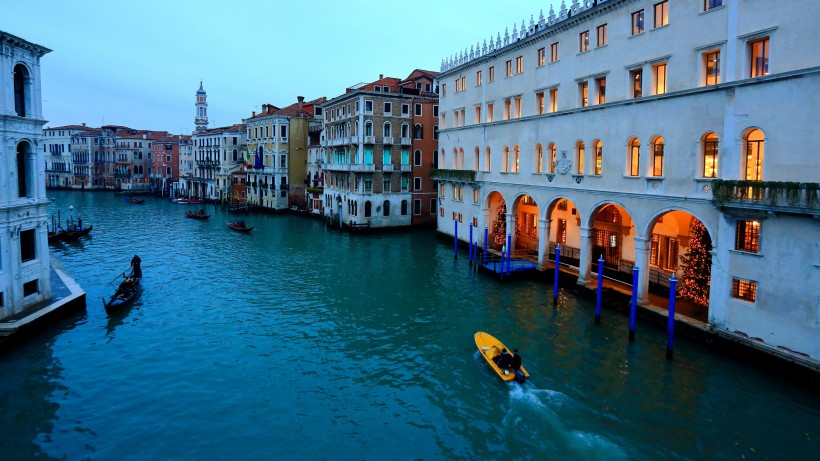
[(642, 248), (586, 256), (543, 242)]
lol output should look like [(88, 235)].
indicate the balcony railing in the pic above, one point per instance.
[(387, 167), (406, 141), (767, 195), (387, 140), (370, 140), (437, 174), (363, 167), (406, 168)]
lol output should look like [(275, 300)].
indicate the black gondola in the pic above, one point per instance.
[(239, 226), (128, 290), (201, 216)]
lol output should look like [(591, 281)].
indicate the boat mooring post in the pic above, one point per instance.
[(600, 289), (557, 271), (470, 251), (633, 305), (670, 327), (486, 238), (455, 239), (509, 254)]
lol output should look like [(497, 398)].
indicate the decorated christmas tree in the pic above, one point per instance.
[(500, 225), (697, 266)]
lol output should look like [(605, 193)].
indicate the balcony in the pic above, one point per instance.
[(406, 168), (777, 196), (387, 140), (406, 141), (387, 167), (370, 140), (437, 174), (363, 167)]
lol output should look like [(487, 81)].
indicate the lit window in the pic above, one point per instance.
[(747, 236), (634, 157), (583, 39), (657, 157), (711, 66), (637, 22), (509, 68), (554, 100), (659, 72), (599, 152), (583, 94), (506, 109), (602, 35), (475, 202), (487, 158), (600, 88), (478, 78), (755, 143), (542, 56), (477, 114), (489, 112), (519, 64), (710, 156), (516, 160), (744, 289), (505, 159), (554, 52), (518, 107), (662, 13), (759, 51), (463, 83), (551, 151), (580, 154), (539, 158), (491, 74), (636, 80), (709, 4), (539, 102)]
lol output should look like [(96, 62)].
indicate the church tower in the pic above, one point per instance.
[(201, 119)]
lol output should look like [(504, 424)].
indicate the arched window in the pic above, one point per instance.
[(235, 155), (657, 156), (23, 172), (387, 157), (487, 158), (368, 128), (441, 160), (460, 158), (710, 155), (539, 158), (505, 159), (455, 158), (475, 159), (22, 89), (633, 157), (405, 130), (753, 165), (579, 155), (367, 207), (388, 130), (599, 155), (516, 159), (435, 132), (552, 152), (386, 207), (417, 131)]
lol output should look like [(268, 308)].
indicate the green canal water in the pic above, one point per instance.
[(300, 342)]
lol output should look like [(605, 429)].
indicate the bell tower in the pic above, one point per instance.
[(201, 118)]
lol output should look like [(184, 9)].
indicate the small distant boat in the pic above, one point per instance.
[(238, 226), (201, 216), (127, 291), (135, 200), (491, 348), (72, 231), (188, 201)]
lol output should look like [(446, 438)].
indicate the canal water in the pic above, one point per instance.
[(300, 342)]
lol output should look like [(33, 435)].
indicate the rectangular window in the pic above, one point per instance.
[(602, 35), (489, 112), (28, 245), (636, 81), (405, 109), (711, 66), (542, 56), (477, 114), (539, 102), (747, 236), (583, 94), (519, 64), (744, 289), (386, 183), (659, 76), (432, 206), (637, 22), (600, 89), (662, 13), (506, 109), (478, 78), (441, 190), (416, 206), (710, 157), (463, 83), (583, 39), (30, 288), (475, 196), (509, 68), (554, 100), (709, 4), (491, 74), (443, 90), (518, 107), (554, 52), (368, 107), (759, 51), (388, 108), (418, 109), (435, 110), (416, 183)]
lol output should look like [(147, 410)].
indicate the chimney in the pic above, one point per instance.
[(300, 103), (83, 123), (253, 113), (381, 76)]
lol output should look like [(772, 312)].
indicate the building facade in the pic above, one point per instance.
[(57, 150), (25, 269), (614, 131), (380, 141)]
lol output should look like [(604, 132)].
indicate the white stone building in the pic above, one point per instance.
[(57, 150), (25, 270), (608, 127)]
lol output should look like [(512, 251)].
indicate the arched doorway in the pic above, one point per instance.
[(497, 220), (564, 230), (612, 238), (526, 228)]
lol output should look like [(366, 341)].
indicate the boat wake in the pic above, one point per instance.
[(548, 419)]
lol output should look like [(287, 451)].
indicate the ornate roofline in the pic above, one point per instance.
[(18, 42)]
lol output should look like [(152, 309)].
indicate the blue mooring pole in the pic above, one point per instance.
[(509, 253), (671, 324), (455, 239), (486, 238), (633, 305), (557, 271), (471, 244), (600, 289)]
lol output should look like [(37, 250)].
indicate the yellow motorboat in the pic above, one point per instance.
[(490, 348)]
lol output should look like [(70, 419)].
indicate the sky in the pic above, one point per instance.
[(139, 63)]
